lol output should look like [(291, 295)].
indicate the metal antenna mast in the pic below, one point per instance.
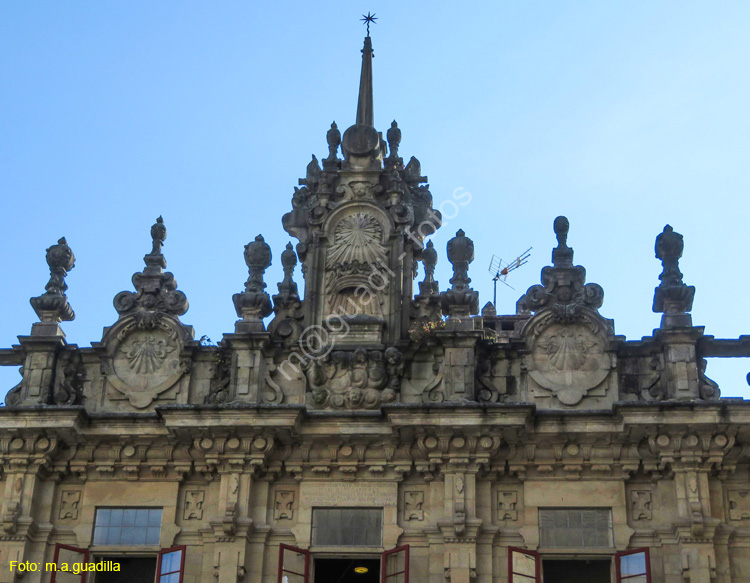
[(501, 270)]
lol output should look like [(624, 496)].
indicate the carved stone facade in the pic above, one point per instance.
[(369, 392)]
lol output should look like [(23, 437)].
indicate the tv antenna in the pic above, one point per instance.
[(501, 270)]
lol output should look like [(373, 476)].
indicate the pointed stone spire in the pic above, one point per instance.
[(361, 143), (365, 115)]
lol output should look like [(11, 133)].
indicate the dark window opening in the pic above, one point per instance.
[(347, 570), (132, 570), (579, 571)]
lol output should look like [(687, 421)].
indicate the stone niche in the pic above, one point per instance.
[(359, 283), (348, 495)]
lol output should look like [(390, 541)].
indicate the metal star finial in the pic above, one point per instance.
[(367, 19)]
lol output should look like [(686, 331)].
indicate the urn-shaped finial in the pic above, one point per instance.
[(394, 139), (155, 262), (429, 261), (254, 304), (460, 254), (158, 235), (672, 297), (460, 300), (53, 305), (333, 137), (562, 255), (257, 259), (668, 248)]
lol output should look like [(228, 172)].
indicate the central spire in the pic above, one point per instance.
[(365, 114)]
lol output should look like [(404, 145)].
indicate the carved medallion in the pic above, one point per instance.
[(145, 360), (567, 357)]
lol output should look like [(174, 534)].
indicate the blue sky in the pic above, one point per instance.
[(624, 116)]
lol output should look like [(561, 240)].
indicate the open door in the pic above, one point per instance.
[(64, 558), (394, 565), (294, 565), (170, 568), (633, 566), (524, 566)]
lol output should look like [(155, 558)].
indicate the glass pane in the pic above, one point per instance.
[(173, 578), (523, 578), (293, 567), (102, 517), (347, 526), (152, 536), (115, 516), (126, 537), (395, 567), (69, 557), (127, 526), (636, 579), (524, 564), (170, 562), (575, 527), (634, 564)]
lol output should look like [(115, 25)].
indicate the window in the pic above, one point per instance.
[(171, 565), (633, 566), (346, 527), (294, 567), (575, 527), (523, 566), (127, 526)]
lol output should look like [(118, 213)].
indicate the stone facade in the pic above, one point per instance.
[(466, 431)]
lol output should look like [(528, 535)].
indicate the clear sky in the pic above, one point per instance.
[(623, 116)]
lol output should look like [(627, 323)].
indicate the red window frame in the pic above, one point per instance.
[(620, 578), (306, 575), (537, 564), (384, 561), (162, 552), (56, 557)]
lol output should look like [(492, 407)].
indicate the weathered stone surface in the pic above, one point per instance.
[(459, 433)]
